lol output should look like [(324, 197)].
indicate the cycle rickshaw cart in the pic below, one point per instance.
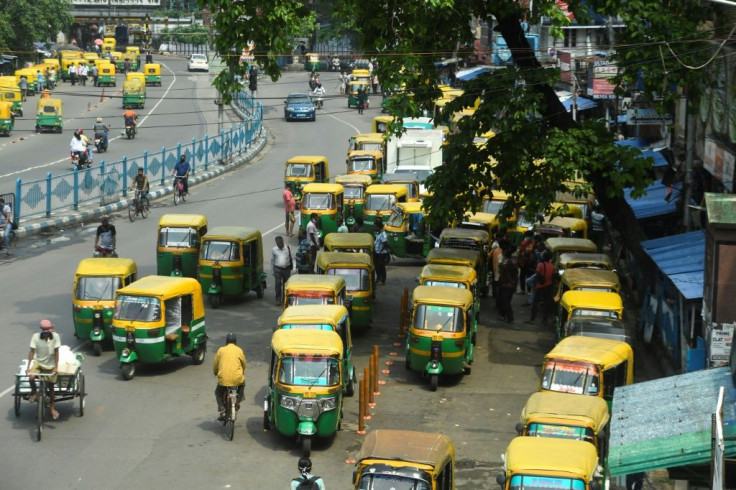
[(69, 385)]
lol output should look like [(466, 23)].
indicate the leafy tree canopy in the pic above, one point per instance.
[(24, 21)]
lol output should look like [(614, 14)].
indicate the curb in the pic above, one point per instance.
[(81, 216)]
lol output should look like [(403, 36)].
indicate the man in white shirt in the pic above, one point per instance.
[(281, 263), (7, 224)]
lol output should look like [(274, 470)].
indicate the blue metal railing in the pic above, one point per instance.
[(108, 182)]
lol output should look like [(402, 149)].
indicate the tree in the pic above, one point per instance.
[(24, 21)]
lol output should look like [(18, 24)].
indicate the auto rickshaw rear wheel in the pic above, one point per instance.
[(266, 421), (350, 388), (199, 353), (96, 349), (128, 371), (434, 380)]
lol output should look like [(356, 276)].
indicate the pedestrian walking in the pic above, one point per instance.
[(342, 81), (72, 72), (302, 253), (526, 251), (282, 264), (313, 237), (362, 98), (507, 282), (23, 86), (543, 293), (374, 83), (289, 207), (94, 72), (126, 66), (381, 253)]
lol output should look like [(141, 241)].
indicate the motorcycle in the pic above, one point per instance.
[(318, 101), (104, 252), (80, 159), (100, 143), (336, 64), (130, 131), (313, 81)]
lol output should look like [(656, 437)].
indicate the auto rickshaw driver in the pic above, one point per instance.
[(131, 119)]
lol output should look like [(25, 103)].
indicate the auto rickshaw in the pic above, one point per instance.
[(477, 240), (316, 289), (90, 58), (12, 95), (311, 62), (357, 270), (7, 118), (583, 260), (354, 88), (442, 331), (405, 459), (407, 232), (152, 73), (350, 242), (408, 180), (116, 58), (566, 416), (366, 162), (64, 68), (380, 200), (453, 276), (134, 94), (588, 366), (380, 123), (179, 236), (481, 221), (54, 62), (106, 75), (579, 205), (361, 75), (49, 115), (543, 462), (588, 280), (587, 304), (231, 263), (458, 256), (108, 44), (305, 169), (132, 57), (305, 385), (30, 75), (327, 201), (354, 186), (333, 318), (560, 245), (95, 283), (561, 226), (136, 75), (365, 142), (158, 318)]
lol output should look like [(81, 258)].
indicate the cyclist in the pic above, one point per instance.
[(131, 119), (140, 182), (43, 358), (229, 367), (106, 238), (306, 480), (181, 169)]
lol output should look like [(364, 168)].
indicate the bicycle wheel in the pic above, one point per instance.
[(177, 196), (145, 207), (39, 410), (230, 418), (132, 211)]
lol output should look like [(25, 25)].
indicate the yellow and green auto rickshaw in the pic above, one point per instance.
[(354, 186), (90, 58), (407, 231), (579, 203), (366, 162), (566, 416), (305, 169), (598, 304), (12, 95), (357, 270), (49, 115), (442, 331), (106, 75), (108, 44), (380, 123), (152, 73), (543, 462), (305, 388), (134, 94), (177, 252), (459, 256), (405, 459), (231, 263), (116, 58), (361, 74), (315, 289), (354, 89), (408, 180), (130, 56), (380, 200), (588, 280), (311, 61), (7, 118), (136, 75), (588, 366), (560, 245), (583, 260), (351, 243), (476, 240), (561, 226), (333, 318), (367, 141), (158, 318), (480, 221), (453, 276), (95, 283), (327, 201), (30, 75)]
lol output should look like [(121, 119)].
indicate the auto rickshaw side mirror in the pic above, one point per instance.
[(519, 428), (501, 479)]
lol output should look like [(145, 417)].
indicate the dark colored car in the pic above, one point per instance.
[(299, 106)]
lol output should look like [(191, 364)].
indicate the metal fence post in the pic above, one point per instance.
[(16, 204), (178, 153), (194, 155), (75, 191), (206, 152), (48, 195), (125, 176), (145, 163), (102, 182), (222, 144), (163, 166)]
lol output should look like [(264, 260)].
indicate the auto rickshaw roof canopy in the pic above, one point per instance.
[(580, 278), (315, 282), (48, 102), (325, 188), (449, 273), (369, 137), (407, 446), (344, 260), (442, 295), (163, 287), (181, 220), (240, 233), (375, 154), (398, 190), (558, 244), (310, 314), (465, 233), (152, 68), (573, 259), (566, 222), (453, 256), (546, 456), (559, 408), (320, 342), (488, 219), (349, 240), (601, 352), (106, 266), (410, 207), (353, 179), (592, 300), (312, 159)]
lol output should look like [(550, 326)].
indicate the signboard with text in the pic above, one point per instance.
[(565, 62), (600, 74)]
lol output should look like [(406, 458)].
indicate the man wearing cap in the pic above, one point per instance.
[(43, 358)]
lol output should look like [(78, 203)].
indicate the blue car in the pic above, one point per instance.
[(299, 106)]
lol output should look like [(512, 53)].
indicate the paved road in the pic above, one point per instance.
[(160, 430)]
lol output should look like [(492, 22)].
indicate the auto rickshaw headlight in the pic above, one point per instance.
[(288, 402), (326, 404), (97, 315), (125, 352)]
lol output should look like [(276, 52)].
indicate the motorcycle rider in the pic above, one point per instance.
[(181, 169), (106, 237), (89, 144), (319, 93), (131, 119), (101, 131), (78, 147)]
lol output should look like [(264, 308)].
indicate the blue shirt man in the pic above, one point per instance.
[(181, 169)]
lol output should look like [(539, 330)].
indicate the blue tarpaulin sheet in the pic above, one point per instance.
[(582, 102), (682, 259), (470, 73), (653, 204), (659, 159)]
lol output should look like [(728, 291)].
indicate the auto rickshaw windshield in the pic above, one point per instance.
[(220, 250), (137, 308), (312, 299), (493, 206), (354, 191), (178, 237), (437, 317), (569, 377), (318, 201), (97, 288), (459, 285), (536, 429), (532, 482), (377, 480), (396, 220), (309, 371), (361, 164), (592, 312), (379, 202), (355, 279), (299, 170), (371, 146)]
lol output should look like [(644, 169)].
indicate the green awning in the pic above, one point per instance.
[(666, 422)]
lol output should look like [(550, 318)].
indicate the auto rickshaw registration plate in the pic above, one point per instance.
[(309, 394)]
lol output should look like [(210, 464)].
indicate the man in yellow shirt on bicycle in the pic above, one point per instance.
[(229, 367)]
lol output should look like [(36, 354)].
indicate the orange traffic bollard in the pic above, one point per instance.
[(371, 399), (361, 407), (368, 392), (374, 378)]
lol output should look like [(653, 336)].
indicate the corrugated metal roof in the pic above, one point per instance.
[(682, 259), (654, 203), (666, 422), (721, 209)]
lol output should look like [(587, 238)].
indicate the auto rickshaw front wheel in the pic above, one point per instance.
[(215, 300), (128, 371), (199, 353), (259, 290), (96, 349), (434, 380), (306, 442), (266, 422)]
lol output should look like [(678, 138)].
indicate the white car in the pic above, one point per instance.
[(198, 62)]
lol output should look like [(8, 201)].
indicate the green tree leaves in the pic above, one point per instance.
[(24, 21)]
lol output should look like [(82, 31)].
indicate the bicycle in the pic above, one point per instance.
[(179, 194), (230, 399), (139, 205)]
